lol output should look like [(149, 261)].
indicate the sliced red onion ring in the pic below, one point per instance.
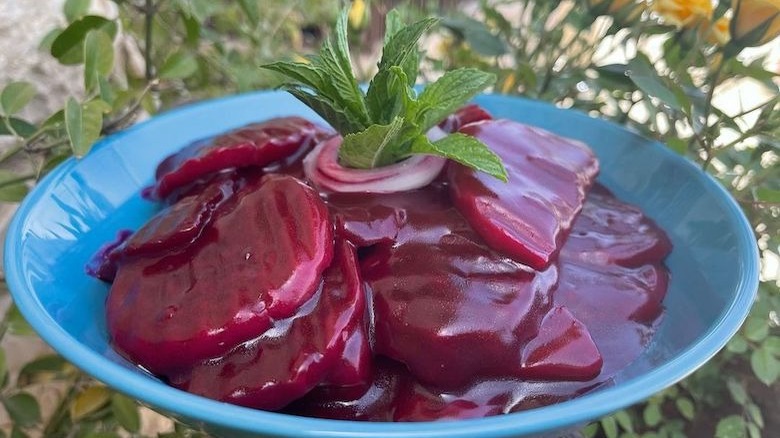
[(322, 167)]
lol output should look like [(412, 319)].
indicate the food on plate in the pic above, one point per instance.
[(426, 262)]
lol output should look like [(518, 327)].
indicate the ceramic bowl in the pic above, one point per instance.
[(83, 203)]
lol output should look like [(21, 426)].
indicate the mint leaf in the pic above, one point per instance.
[(372, 147), (388, 122), (464, 149), (449, 93), (327, 83)]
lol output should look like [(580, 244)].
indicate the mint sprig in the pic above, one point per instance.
[(387, 123)]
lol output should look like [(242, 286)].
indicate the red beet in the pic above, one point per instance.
[(296, 354), (443, 300), (228, 292), (258, 260), (563, 350), (612, 232), (258, 144), (468, 114), (528, 218)]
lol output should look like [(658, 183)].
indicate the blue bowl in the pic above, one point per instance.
[(83, 203)]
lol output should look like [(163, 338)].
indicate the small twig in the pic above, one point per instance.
[(706, 115), (149, 11)]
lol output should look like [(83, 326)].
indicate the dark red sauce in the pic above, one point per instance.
[(461, 299)]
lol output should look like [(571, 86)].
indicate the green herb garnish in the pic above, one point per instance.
[(387, 123)]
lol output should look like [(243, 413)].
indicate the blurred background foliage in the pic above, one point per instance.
[(699, 76)]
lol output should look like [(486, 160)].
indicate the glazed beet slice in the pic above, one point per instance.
[(103, 264), (259, 259), (258, 144), (443, 300), (563, 350), (614, 293), (296, 354), (181, 223), (528, 218), (468, 114), (612, 232), (377, 403)]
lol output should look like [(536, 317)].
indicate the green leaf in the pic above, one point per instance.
[(125, 412), (732, 426), (610, 427), (737, 391), (83, 124), (402, 46), (737, 344), (772, 345), (17, 325), (450, 92), (68, 47), (88, 402), (23, 409), (764, 194), (48, 40), (13, 192), (686, 408), (643, 74), (756, 329), (98, 58), (678, 145), (652, 414), (591, 430), (477, 36), (16, 96), (464, 149), (624, 420), (372, 147), (19, 127), (765, 366), (755, 415), (75, 9), (753, 431), (180, 65), (40, 370)]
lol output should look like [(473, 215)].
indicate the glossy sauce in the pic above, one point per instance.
[(386, 307)]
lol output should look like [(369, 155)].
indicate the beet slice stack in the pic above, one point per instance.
[(258, 260), (528, 218)]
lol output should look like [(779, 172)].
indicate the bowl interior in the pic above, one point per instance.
[(83, 204)]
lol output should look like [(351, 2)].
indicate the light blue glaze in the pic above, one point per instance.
[(82, 204)]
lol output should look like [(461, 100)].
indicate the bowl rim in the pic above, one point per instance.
[(576, 411)]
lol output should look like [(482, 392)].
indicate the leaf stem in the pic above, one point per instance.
[(706, 115), (149, 11)]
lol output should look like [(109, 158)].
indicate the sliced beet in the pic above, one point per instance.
[(443, 300), (377, 403), (614, 293), (608, 231), (104, 263), (563, 350), (258, 144), (258, 260), (296, 354), (468, 114), (181, 223), (529, 217)]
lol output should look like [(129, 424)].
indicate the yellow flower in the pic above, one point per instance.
[(684, 13), (357, 14), (718, 32), (755, 22)]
